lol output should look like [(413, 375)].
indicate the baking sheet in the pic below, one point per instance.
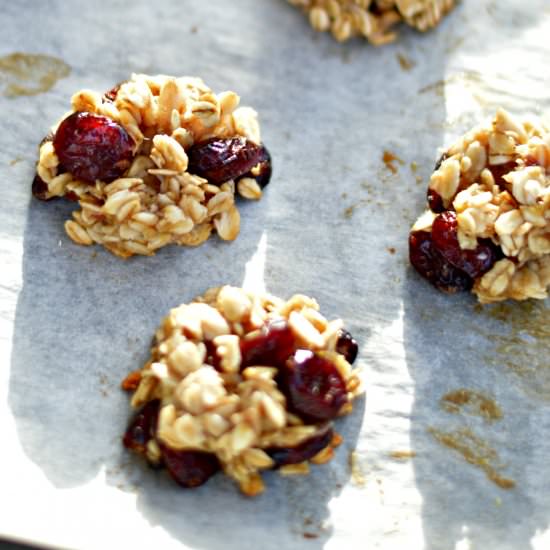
[(333, 224)]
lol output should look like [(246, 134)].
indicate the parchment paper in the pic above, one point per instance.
[(333, 224)]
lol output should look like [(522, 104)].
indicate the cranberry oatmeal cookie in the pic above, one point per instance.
[(374, 20), (154, 161), (488, 226), (242, 382)]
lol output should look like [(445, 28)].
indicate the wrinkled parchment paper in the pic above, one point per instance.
[(333, 224)]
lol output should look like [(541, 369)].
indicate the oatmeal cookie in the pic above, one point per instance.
[(374, 20), (488, 223), (154, 161), (242, 382)]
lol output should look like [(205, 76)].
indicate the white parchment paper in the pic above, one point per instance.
[(333, 224)]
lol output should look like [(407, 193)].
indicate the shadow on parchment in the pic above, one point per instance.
[(84, 319)]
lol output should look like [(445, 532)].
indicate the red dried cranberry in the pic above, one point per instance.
[(142, 428), (189, 468), (272, 347), (432, 266), (263, 175), (93, 147), (304, 451), (212, 357), (435, 201), (500, 170), (314, 388), (40, 188), (347, 346), (473, 262), (531, 161), (221, 160)]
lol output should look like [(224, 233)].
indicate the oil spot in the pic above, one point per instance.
[(475, 451), (522, 344), (23, 74), (471, 402)]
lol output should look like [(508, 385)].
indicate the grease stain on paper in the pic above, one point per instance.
[(23, 74), (471, 402), (475, 451), (522, 346)]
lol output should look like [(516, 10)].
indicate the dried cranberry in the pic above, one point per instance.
[(426, 259), (272, 347), (212, 357), (473, 262), (93, 147), (304, 451), (500, 170), (221, 160), (142, 428), (189, 468), (347, 346), (314, 388), (40, 188), (435, 201), (262, 170)]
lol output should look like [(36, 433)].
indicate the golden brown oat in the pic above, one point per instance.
[(514, 212), (236, 414), (157, 202), (372, 19)]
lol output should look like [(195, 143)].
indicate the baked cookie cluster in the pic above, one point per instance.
[(242, 382), (374, 20), (488, 223), (156, 160)]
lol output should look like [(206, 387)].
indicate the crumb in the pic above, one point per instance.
[(194, 29), (308, 535), (16, 160), (344, 195), (405, 63), (414, 166), (348, 212), (391, 249), (389, 158), (402, 455)]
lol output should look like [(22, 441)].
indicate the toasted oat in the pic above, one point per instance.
[(375, 20), (210, 402), (157, 201)]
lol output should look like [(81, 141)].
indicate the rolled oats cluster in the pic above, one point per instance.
[(242, 382), (488, 227), (374, 20), (154, 161)]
